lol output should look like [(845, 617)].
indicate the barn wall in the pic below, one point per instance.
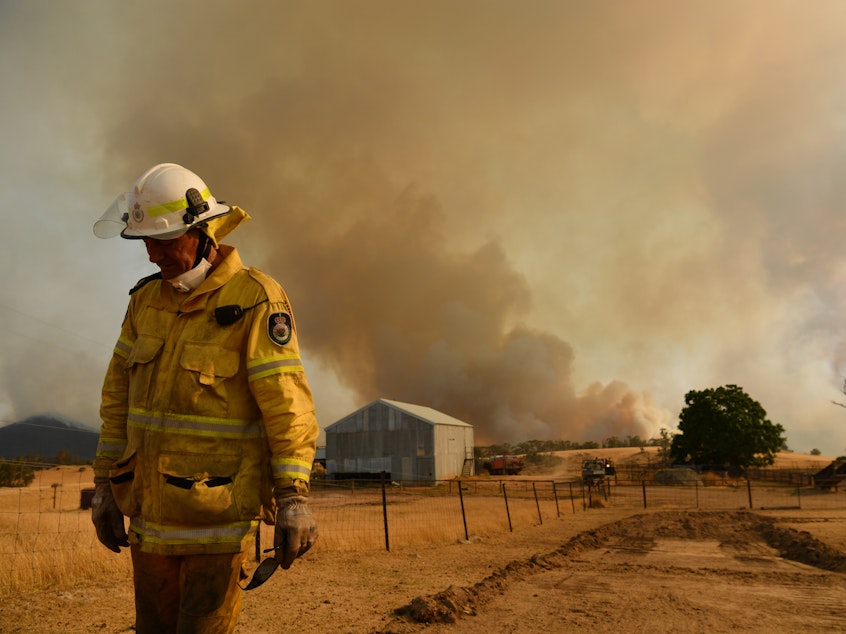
[(469, 446), (451, 448), (382, 438)]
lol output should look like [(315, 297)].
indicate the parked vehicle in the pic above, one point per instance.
[(507, 464)]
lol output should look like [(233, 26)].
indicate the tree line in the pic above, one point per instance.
[(20, 472), (530, 447), (720, 426)]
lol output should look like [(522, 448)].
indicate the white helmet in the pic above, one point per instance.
[(164, 203)]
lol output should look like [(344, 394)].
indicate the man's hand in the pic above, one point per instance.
[(296, 530), (107, 518)]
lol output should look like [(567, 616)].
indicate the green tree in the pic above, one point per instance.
[(664, 444), (65, 457), (725, 426), (493, 450), (533, 446), (612, 443), (15, 474)]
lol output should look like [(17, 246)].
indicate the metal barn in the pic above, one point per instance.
[(408, 442)]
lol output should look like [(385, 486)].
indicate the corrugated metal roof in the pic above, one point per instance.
[(426, 414)]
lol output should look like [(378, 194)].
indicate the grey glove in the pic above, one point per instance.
[(296, 530), (107, 518)]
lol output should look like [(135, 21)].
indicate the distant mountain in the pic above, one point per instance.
[(46, 436)]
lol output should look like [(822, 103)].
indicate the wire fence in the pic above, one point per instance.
[(47, 539)]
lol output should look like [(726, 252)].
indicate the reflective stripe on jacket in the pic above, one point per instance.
[(204, 415)]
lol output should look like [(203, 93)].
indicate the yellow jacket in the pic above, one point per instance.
[(202, 421)]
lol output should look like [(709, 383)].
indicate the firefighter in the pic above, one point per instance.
[(208, 422)]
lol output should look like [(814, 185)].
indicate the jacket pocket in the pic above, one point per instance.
[(203, 382), (198, 490), (122, 480), (141, 367)]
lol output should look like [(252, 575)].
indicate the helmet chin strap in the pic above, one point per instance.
[(191, 279)]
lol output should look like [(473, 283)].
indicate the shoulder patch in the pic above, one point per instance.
[(279, 328)]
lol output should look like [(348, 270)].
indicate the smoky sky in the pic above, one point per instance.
[(550, 220)]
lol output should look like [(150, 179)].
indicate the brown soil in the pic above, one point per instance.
[(610, 570), (672, 571)]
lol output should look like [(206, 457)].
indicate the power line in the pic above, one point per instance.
[(53, 327)]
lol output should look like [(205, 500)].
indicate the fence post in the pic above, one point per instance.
[(463, 516), (749, 490), (555, 495), (507, 511), (643, 485), (537, 504), (385, 511), (572, 499)]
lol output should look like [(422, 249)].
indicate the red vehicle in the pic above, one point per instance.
[(507, 464)]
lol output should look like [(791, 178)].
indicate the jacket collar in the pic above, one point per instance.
[(198, 298)]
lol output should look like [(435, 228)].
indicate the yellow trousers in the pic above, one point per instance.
[(187, 594)]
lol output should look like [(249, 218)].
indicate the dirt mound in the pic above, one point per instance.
[(676, 476), (640, 532)]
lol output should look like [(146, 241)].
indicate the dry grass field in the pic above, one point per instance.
[(616, 567)]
